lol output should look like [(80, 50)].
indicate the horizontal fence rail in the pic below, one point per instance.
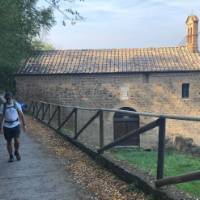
[(166, 116), (44, 109)]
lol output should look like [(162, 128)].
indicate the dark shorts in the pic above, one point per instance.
[(10, 133)]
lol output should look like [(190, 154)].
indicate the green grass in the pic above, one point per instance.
[(175, 164), (66, 131)]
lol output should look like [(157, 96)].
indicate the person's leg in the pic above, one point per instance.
[(8, 138), (10, 151), (17, 142), (9, 147)]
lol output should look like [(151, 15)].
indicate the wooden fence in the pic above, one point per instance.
[(42, 110)]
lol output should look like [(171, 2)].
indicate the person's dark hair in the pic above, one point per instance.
[(8, 95)]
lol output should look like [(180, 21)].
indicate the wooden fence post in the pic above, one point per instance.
[(75, 121), (59, 116), (43, 112), (43, 108), (49, 112), (33, 109), (30, 105), (101, 129), (38, 111), (161, 148)]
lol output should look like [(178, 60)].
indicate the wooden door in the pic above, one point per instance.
[(123, 124)]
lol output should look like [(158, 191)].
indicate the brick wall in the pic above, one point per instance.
[(155, 92)]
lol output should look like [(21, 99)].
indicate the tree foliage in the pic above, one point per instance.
[(20, 22), (38, 45), (68, 13)]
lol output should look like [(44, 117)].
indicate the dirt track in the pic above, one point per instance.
[(103, 184)]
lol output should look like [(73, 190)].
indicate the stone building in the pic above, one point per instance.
[(160, 80)]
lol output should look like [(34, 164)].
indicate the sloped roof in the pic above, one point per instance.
[(192, 18), (111, 61)]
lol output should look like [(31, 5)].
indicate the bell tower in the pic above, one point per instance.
[(192, 33)]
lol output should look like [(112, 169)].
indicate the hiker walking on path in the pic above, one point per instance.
[(10, 124)]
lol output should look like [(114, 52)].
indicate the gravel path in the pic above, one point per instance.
[(85, 172), (38, 176)]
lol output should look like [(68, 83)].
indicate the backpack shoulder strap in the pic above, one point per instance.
[(15, 105), (4, 109)]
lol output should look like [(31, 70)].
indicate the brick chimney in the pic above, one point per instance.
[(192, 33)]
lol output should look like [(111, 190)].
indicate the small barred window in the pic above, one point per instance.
[(185, 90)]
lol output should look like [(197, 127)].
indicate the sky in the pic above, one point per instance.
[(123, 24)]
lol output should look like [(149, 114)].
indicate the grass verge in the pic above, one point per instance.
[(175, 164)]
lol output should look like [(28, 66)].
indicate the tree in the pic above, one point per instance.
[(68, 14), (41, 46), (21, 21)]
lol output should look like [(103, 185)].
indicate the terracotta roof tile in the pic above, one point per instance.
[(112, 61)]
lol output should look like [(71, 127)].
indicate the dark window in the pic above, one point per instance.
[(146, 78), (185, 90)]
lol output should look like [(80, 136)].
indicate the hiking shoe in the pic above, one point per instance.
[(11, 159), (17, 155)]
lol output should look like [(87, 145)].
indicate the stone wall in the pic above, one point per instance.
[(154, 92)]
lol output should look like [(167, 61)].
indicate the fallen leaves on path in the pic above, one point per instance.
[(84, 170)]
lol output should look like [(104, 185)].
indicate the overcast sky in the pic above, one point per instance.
[(124, 24)]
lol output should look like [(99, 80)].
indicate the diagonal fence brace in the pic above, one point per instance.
[(40, 107), (45, 111), (54, 113), (36, 109), (67, 118), (140, 130), (87, 124), (178, 179)]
